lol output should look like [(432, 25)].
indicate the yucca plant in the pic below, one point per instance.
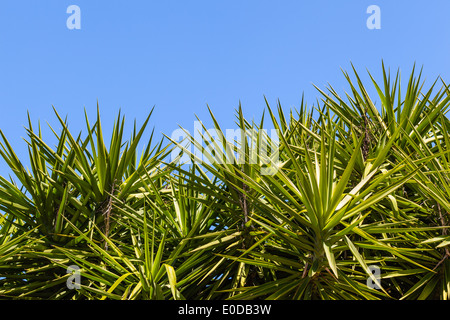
[(68, 190), (339, 200), (342, 188)]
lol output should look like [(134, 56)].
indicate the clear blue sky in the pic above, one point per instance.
[(181, 55)]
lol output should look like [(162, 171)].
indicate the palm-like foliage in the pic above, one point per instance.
[(337, 192)]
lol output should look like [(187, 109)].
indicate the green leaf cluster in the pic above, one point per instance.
[(350, 186)]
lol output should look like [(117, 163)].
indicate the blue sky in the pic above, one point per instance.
[(181, 55)]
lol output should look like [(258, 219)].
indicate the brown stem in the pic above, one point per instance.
[(305, 271), (444, 233), (366, 142), (106, 209)]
